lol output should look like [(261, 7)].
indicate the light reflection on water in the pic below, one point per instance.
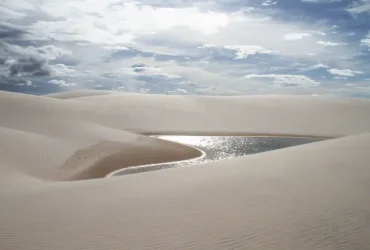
[(221, 147)]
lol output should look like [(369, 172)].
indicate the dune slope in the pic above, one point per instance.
[(55, 139), (307, 197)]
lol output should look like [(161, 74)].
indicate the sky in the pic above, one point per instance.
[(186, 47)]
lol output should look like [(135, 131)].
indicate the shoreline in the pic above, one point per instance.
[(112, 174), (104, 158), (203, 154), (231, 134)]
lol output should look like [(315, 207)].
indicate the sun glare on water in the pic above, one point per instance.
[(200, 141)]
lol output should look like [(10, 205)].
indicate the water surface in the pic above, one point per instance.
[(220, 147)]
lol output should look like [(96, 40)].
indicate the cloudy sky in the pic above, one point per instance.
[(220, 47)]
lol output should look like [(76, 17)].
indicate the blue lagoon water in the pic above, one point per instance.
[(220, 147)]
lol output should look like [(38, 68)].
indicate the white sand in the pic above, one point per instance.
[(313, 196)]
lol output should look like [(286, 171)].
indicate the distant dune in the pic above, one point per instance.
[(54, 151)]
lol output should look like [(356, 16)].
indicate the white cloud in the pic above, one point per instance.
[(295, 36), (243, 51), (142, 69), (25, 83), (178, 91), (268, 3), (314, 67), (116, 23), (331, 44), (366, 40), (361, 6), (287, 80), (8, 14), (116, 48), (57, 82), (51, 52), (125, 23), (48, 52), (28, 83), (19, 5), (206, 46), (64, 70), (144, 91), (344, 72), (62, 83)]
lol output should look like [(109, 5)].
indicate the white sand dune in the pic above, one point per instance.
[(291, 115), (313, 196)]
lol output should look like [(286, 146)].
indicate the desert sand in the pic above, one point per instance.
[(55, 151)]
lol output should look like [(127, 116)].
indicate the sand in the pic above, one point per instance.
[(313, 196)]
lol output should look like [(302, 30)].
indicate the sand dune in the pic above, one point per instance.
[(80, 93), (313, 196), (291, 115), (54, 140)]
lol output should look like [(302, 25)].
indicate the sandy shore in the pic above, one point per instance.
[(313, 196), (99, 160)]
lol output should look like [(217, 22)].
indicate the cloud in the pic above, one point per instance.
[(57, 82), (341, 78), (50, 52), (19, 5), (320, 1), (10, 31), (359, 7), (64, 70), (295, 36), (119, 23), (331, 44), (178, 91), (121, 44), (314, 67), (287, 80), (243, 51), (62, 83), (128, 24), (206, 46), (366, 40), (28, 66), (344, 72), (31, 60), (6, 14), (144, 91), (116, 48), (24, 82), (141, 69), (120, 89), (47, 52), (189, 84), (269, 3)]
